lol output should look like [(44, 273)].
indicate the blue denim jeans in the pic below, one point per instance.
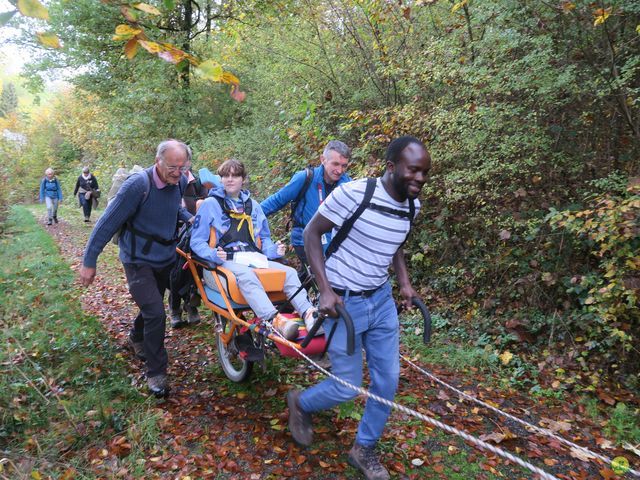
[(375, 321)]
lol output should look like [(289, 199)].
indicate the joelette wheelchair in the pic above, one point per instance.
[(242, 337)]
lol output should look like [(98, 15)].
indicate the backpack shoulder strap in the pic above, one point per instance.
[(344, 230), (301, 194)]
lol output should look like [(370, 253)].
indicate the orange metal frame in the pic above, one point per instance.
[(228, 313)]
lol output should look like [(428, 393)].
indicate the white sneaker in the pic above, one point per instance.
[(310, 317)]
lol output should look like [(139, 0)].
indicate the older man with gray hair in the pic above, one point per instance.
[(145, 211), (306, 190)]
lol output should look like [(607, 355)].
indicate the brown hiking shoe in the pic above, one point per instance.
[(136, 347), (299, 421), (159, 385), (365, 459)]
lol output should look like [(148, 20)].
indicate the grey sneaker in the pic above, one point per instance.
[(136, 347), (299, 420), (193, 316), (176, 319), (159, 385), (366, 460)]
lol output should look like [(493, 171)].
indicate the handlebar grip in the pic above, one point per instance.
[(426, 332), (348, 323), (312, 333), (351, 340)]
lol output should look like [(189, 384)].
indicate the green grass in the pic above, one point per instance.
[(63, 384)]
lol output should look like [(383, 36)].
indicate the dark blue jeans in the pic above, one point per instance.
[(86, 205), (147, 286)]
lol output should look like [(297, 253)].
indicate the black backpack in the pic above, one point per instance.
[(299, 197), (344, 230), (180, 278)]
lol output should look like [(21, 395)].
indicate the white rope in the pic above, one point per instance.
[(432, 421), (541, 430)]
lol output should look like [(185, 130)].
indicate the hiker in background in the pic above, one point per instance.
[(376, 215), (306, 190), (240, 226), (194, 192), (51, 194), (88, 192), (146, 210)]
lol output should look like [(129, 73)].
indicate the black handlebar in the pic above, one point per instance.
[(348, 323), (426, 332)]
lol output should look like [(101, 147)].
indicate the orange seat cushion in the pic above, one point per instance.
[(272, 281)]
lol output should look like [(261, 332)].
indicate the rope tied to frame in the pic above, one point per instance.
[(436, 423)]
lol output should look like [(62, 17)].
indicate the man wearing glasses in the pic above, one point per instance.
[(145, 211)]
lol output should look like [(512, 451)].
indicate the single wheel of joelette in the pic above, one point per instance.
[(236, 368)]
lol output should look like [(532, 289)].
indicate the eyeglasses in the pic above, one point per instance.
[(174, 168)]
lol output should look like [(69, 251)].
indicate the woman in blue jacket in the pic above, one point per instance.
[(51, 194), (240, 226)]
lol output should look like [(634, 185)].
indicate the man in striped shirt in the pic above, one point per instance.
[(356, 276)]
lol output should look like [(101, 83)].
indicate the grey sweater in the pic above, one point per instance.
[(157, 215)]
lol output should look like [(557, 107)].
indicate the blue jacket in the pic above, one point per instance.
[(50, 188), (308, 205), (211, 215), (157, 215)]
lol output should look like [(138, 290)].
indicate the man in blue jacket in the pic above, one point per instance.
[(146, 211), (314, 188)]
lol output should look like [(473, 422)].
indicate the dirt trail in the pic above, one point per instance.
[(214, 429)]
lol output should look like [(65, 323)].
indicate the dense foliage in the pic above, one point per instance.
[(531, 111)]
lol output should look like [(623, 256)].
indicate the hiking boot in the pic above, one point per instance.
[(55, 219), (176, 319), (287, 328), (159, 385), (50, 221), (137, 348), (366, 460), (299, 421), (86, 219), (193, 317), (310, 318)]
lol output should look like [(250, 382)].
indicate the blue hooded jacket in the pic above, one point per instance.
[(211, 215), (308, 205)]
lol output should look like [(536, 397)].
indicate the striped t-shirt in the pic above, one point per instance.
[(363, 259)]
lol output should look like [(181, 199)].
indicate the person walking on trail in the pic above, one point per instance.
[(87, 190), (51, 194), (146, 210), (194, 192), (355, 275), (306, 190), (241, 226)]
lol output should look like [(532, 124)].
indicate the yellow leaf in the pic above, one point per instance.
[(458, 6), (145, 7), (241, 395), (211, 70), (505, 357), (638, 29), (126, 31), (36, 475), (230, 78), (151, 47), (131, 48), (601, 14), (48, 39), (33, 8), (568, 6)]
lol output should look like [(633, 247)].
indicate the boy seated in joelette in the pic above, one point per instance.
[(239, 222)]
